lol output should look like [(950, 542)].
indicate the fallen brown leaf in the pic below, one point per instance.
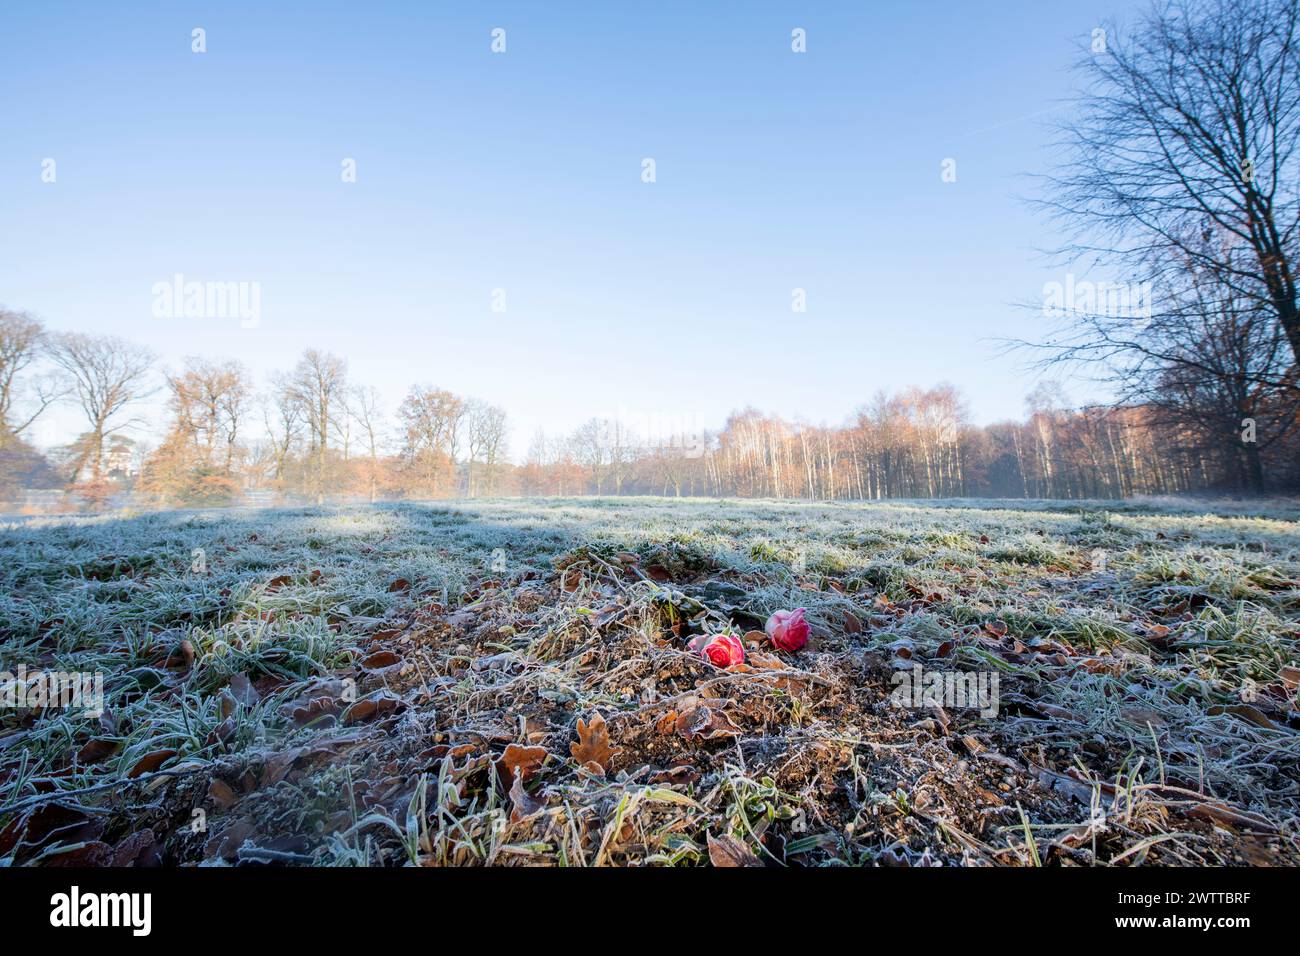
[(139, 849), (593, 744), (519, 762), (95, 853), (371, 706), (706, 723), (96, 749), (522, 805), (151, 762), (680, 775), (1222, 813), (242, 689), (727, 851), (666, 723), (1252, 715), (380, 659), (220, 793)]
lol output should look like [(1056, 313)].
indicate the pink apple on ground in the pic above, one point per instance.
[(788, 629)]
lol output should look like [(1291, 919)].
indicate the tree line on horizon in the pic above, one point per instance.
[(313, 435)]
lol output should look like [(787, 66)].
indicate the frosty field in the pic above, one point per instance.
[(507, 682)]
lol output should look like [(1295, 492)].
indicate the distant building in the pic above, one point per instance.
[(120, 461)]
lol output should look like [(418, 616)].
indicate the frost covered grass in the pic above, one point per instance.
[(403, 684)]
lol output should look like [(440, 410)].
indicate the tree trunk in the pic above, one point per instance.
[(1254, 469)]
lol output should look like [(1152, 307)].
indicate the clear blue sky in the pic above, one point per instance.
[(522, 171)]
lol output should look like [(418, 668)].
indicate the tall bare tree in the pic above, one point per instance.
[(209, 402), (365, 408), (485, 433), (591, 449), (283, 421), (431, 421), (199, 460), (22, 342), (1235, 352), (317, 385), (1185, 156)]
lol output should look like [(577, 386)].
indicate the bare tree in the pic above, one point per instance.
[(283, 420), (590, 448), (1185, 158), (209, 401), (485, 433), (317, 385), (199, 460), (431, 421), (1235, 351), (106, 374), (364, 407), (22, 341), (620, 450)]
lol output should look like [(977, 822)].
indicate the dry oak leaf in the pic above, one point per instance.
[(729, 852), (318, 708), (472, 766), (1159, 631), (519, 762), (226, 704), (593, 745), (533, 729)]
